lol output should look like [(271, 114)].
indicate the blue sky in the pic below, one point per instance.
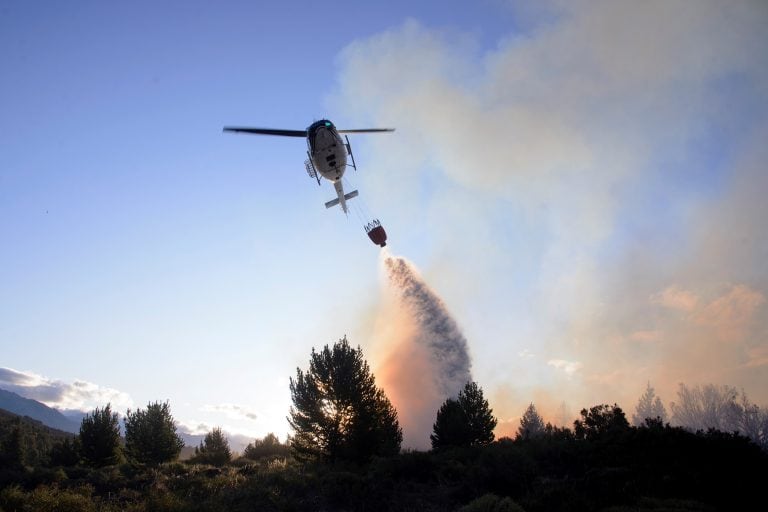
[(579, 183)]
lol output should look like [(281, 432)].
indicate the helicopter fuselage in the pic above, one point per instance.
[(327, 150)]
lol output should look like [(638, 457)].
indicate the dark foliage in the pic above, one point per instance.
[(213, 450), (600, 420), (465, 421), (150, 434), (25, 441), (100, 438), (531, 424), (269, 447), (652, 468), (65, 453), (338, 413)]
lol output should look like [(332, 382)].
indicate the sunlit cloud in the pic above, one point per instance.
[(731, 314), (569, 367), (233, 411), (79, 394), (676, 298), (194, 427), (758, 356), (646, 336)]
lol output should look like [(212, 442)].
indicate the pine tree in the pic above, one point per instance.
[(464, 421), (66, 453), (100, 438), (531, 424), (649, 407), (150, 435), (451, 427), (338, 413), (214, 449)]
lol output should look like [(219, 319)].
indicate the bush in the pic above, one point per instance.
[(491, 503)]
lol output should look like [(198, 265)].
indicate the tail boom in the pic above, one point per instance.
[(342, 199)]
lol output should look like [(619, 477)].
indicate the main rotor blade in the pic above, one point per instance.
[(268, 131), (368, 130)]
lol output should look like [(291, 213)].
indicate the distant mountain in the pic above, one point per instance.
[(237, 442), (17, 404), (8, 419)]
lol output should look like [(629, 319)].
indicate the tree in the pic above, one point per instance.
[(268, 447), (100, 438), (66, 453), (451, 427), (13, 453), (708, 406), (338, 413), (214, 449), (649, 407), (150, 435), (531, 424), (599, 421), (465, 421)]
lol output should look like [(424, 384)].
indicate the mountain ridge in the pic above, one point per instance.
[(21, 406)]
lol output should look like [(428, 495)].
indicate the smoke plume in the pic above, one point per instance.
[(423, 356), (601, 168)]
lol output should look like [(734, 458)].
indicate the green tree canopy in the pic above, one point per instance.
[(150, 434), (464, 421), (100, 438), (214, 449), (338, 413)]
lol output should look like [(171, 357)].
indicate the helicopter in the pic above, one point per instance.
[(326, 151)]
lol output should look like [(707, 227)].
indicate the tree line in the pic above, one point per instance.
[(345, 453)]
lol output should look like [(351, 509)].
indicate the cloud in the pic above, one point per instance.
[(194, 427), (758, 356), (526, 354), (673, 297), (79, 394), (646, 336), (731, 314), (233, 411), (569, 367)]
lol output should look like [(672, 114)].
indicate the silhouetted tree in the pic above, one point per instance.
[(100, 438), (600, 420), (214, 449), (338, 412), (649, 406), (268, 447), (451, 427), (465, 421), (150, 435), (531, 424)]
